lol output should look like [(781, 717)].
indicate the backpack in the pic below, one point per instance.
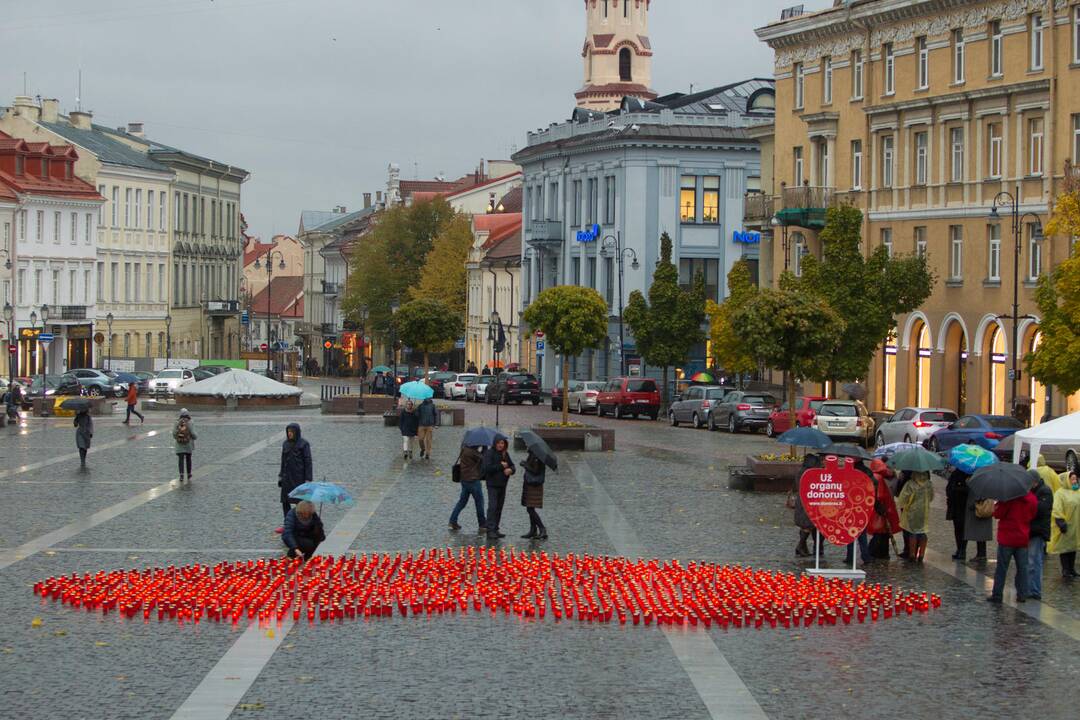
[(183, 433), (984, 508)]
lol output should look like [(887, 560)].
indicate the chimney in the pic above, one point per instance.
[(25, 107), (378, 198), (50, 110), (81, 119), (367, 200), (135, 128)]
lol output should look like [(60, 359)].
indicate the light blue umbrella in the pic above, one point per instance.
[(417, 390), (323, 492), (970, 458)]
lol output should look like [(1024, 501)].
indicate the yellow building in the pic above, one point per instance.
[(922, 113)]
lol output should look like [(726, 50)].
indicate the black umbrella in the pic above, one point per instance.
[(857, 391), (1000, 481), (847, 450), (539, 447), (77, 404)]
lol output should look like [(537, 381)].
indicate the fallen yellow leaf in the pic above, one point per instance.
[(50, 552), (250, 706), (236, 508), (36, 622), (59, 633), (270, 633), (101, 643)]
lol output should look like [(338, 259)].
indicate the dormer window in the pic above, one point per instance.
[(67, 171), (44, 168), (625, 65), (20, 162)]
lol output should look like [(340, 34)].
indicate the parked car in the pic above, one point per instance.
[(100, 383), (556, 393), (145, 375), (477, 392), (914, 425), (628, 396), (846, 421), (695, 405), (437, 380), (66, 384), (169, 379), (455, 388), (1061, 458), (984, 430), (743, 409), (127, 379), (582, 397), (513, 387), (214, 369), (805, 415)]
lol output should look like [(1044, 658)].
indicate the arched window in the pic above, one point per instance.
[(625, 65)]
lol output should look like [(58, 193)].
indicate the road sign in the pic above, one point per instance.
[(328, 344), (263, 347), (539, 334), (45, 337), (245, 319), (12, 348), (99, 338), (540, 345)]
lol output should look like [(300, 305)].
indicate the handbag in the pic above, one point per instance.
[(984, 508), (455, 472)]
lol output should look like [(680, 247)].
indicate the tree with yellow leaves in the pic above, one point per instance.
[(729, 349), (1057, 359), (444, 276)]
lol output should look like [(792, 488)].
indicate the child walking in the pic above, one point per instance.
[(914, 503)]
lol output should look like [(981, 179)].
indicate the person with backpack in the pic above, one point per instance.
[(469, 462), (1039, 532), (132, 404), (184, 435), (496, 469), (84, 433), (296, 468), (426, 418)]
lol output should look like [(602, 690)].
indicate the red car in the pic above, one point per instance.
[(627, 396), (805, 413)]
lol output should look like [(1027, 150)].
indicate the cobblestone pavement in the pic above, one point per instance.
[(969, 659)]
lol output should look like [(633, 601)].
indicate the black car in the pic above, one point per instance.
[(515, 387)]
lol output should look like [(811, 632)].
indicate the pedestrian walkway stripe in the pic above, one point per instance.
[(65, 533), (94, 449), (719, 686), (217, 696)]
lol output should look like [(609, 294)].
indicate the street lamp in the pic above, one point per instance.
[(493, 335), (363, 314), (394, 305), (1012, 201), (44, 348), (776, 222), (108, 324), (9, 318), (614, 242), (269, 261), (168, 339)]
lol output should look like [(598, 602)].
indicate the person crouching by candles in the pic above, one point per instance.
[(303, 531)]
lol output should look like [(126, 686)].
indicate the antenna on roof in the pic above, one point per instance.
[(24, 90)]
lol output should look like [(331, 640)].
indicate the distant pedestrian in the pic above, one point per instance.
[(532, 496), (486, 370), (409, 425), (303, 531), (914, 504), (978, 524), (801, 519), (84, 433), (1065, 531), (1039, 533), (132, 404), (497, 468), (426, 418), (469, 462), (1013, 534), (390, 384), (295, 468), (184, 436), (471, 368), (956, 496)]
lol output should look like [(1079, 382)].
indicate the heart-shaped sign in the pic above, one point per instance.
[(838, 499)]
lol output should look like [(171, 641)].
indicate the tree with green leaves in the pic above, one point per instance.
[(444, 276), (668, 324), (729, 348), (428, 325), (790, 330), (868, 293), (1056, 361), (573, 320)]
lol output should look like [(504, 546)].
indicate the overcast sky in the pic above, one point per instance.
[(316, 97)]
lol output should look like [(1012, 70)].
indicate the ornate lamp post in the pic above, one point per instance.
[(168, 339), (44, 350), (776, 222), (614, 242), (493, 336), (108, 324), (363, 346), (9, 319), (394, 341), (268, 259)]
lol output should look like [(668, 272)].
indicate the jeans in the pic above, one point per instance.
[(181, 460), (864, 549), (1036, 555), (496, 499), (132, 411), (1004, 556), (476, 492)]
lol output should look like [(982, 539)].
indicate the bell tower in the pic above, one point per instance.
[(617, 53)]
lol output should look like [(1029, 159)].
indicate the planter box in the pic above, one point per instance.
[(573, 438), (343, 405), (390, 418), (99, 406), (764, 476), (451, 417), (377, 404)]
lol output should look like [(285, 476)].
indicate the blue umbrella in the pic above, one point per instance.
[(323, 492), (417, 390), (805, 437), (886, 451), (970, 458), (481, 437)]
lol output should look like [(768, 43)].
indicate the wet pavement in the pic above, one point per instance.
[(663, 493)]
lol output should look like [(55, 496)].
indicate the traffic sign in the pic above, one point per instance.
[(245, 319), (540, 345), (539, 334), (328, 344), (263, 347), (45, 337), (12, 348)]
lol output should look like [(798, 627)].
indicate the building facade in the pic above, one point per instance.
[(923, 114), (600, 191), (493, 273)]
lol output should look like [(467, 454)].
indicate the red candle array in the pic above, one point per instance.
[(529, 585)]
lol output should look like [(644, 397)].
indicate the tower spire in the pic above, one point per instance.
[(617, 53)]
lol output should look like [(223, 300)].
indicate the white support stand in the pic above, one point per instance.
[(817, 571)]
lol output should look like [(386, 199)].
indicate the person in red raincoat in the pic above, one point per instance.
[(886, 520)]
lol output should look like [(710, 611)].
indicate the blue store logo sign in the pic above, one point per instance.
[(747, 237), (591, 234)]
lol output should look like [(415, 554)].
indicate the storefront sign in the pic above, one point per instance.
[(590, 234), (29, 333), (78, 332), (838, 499), (747, 237)]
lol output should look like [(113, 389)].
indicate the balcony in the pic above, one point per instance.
[(223, 308), (331, 289), (329, 328), (68, 312), (546, 231), (757, 208), (805, 206)]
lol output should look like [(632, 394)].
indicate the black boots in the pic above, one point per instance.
[(801, 550)]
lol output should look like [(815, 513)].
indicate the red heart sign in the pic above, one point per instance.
[(838, 499)]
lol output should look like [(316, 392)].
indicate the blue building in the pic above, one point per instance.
[(601, 188)]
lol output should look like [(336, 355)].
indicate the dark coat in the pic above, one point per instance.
[(976, 529), (802, 520), (425, 414), (956, 494), (84, 430), (295, 530), (295, 462), (408, 423), (1040, 524), (532, 487), (470, 461), (491, 468)]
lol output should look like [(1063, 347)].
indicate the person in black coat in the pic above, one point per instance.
[(303, 532), (496, 469), (409, 425), (532, 496), (956, 496), (1039, 534), (295, 465)]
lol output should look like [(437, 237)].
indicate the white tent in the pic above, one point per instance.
[(1062, 431), (239, 384)]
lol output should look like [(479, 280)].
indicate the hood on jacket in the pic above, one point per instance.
[(878, 466), (185, 413), (1041, 461), (1036, 479), (295, 427)]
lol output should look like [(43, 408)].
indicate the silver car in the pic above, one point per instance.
[(846, 421), (914, 425), (456, 388), (477, 390), (695, 406), (582, 395)]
